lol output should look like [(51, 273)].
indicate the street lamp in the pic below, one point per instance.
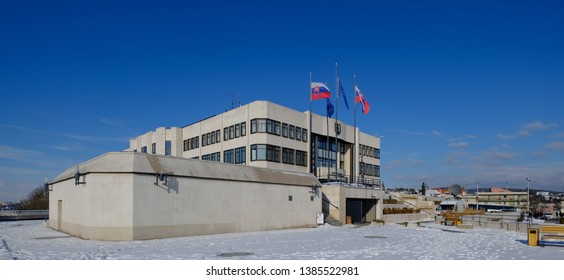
[(477, 199), (528, 194)]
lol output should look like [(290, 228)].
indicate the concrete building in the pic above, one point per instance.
[(264, 134), (503, 200), (136, 196)]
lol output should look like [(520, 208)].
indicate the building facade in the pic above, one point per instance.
[(264, 134), (503, 200)]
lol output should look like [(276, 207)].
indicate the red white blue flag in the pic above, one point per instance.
[(319, 91), (359, 98)]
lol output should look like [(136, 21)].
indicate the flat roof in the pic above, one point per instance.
[(142, 163)]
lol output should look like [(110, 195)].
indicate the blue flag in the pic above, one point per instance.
[(342, 93), (330, 108)]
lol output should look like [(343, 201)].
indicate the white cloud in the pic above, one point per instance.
[(460, 144), (418, 133), (526, 130), (13, 153), (556, 145)]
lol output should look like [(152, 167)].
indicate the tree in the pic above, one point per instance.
[(37, 199)]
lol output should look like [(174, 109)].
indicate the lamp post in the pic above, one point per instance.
[(528, 182), (477, 199)]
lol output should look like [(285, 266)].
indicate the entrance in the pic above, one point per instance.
[(361, 210)]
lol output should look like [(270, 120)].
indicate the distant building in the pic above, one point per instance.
[(502, 200)]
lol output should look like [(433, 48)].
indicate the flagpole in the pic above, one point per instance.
[(328, 145), (336, 118), (354, 146), (311, 167)]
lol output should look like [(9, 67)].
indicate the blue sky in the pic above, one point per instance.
[(461, 91)]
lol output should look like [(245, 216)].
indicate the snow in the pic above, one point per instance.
[(31, 240)]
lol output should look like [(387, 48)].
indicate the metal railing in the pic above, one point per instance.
[(351, 181)]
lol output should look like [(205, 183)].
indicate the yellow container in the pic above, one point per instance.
[(533, 237), (349, 220), (458, 222)]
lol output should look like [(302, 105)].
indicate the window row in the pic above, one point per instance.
[(277, 128), (272, 153), (236, 156), (235, 131), (212, 157), (192, 143), (211, 138), (369, 169), (369, 151), (168, 148)]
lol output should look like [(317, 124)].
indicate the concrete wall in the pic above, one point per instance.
[(193, 206), (100, 209), (402, 218)]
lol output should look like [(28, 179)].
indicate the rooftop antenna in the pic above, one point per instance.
[(234, 95)]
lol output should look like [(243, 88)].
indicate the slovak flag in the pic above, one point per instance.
[(319, 91), (359, 98)]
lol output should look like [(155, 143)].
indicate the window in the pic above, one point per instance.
[(273, 127), (228, 156), (154, 148), (265, 152), (208, 138), (269, 126), (285, 130), (243, 128), (301, 158), (261, 125), (186, 144), (213, 137), (215, 157), (217, 136), (376, 153), (272, 153), (206, 157), (292, 130), (288, 156), (231, 132), (241, 155), (237, 130), (304, 134), (258, 152), (276, 128), (253, 126), (298, 134), (226, 134), (204, 142), (168, 148), (144, 149)]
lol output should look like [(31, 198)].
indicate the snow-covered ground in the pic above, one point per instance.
[(30, 240)]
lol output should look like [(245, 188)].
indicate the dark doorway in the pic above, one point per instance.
[(361, 210)]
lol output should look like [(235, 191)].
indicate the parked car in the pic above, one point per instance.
[(547, 216)]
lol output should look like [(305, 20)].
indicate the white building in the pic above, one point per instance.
[(136, 196), (264, 134)]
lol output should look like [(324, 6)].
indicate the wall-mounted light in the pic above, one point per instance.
[(77, 176), (161, 176), (314, 189)]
